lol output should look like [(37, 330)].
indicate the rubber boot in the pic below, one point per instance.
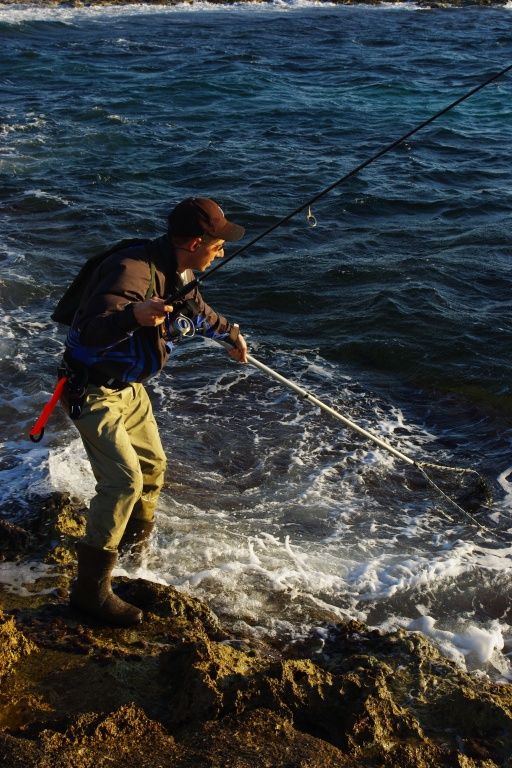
[(135, 540), (92, 590)]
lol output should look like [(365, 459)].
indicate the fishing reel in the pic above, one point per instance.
[(179, 327)]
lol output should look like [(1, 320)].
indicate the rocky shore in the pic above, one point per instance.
[(182, 691), (88, 3)]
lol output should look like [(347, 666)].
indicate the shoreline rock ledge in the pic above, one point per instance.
[(181, 691), (90, 3)]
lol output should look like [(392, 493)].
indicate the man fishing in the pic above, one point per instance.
[(121, 334)]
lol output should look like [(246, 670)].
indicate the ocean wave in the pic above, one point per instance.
[(19, 14)]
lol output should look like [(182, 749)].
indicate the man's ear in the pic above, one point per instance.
[(195, 243)]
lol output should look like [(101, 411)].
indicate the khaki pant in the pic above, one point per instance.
[(121, 438)]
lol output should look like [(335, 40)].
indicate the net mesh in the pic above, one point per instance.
[(464, 489)]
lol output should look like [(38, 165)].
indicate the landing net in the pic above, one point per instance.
[(464, 489)]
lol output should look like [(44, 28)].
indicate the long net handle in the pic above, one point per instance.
[(327, 408)]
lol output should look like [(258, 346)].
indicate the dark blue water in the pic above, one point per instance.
[(394, 309)]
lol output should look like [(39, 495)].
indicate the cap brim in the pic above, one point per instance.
[(230, 232)]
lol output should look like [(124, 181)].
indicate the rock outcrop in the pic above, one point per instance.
[(182, 692), (425, 3)]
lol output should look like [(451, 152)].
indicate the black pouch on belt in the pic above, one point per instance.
[(75, 389)]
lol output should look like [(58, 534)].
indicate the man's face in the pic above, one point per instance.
[(205, 253)]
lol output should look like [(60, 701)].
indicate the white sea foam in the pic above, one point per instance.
[(468, 645), (246, 566), (263, 576), (19, 14), (39, 470), (41, 194), (16, 576), (11, 122), (505, 480)]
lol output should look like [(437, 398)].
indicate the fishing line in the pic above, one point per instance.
[(311, 219)]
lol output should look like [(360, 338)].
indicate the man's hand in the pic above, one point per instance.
[(151, 312), (239, 351)]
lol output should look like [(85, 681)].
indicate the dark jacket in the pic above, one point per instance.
[(105, 336)]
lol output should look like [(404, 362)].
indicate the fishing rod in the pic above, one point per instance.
[(226, 259), (479, 485)]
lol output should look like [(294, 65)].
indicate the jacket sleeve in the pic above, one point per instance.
[(209, 323), (106, 315)]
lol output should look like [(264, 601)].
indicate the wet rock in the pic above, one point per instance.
[(48, 531), (166, 602), (262, 738), (180, 691), (425, 3), (125, 737), (13, 644), (15, 541), (60, 522)]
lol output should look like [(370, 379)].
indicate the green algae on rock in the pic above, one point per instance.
[(13, 644)]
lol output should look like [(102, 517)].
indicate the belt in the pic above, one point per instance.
[(107, 381)]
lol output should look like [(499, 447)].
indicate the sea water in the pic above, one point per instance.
[(395, 309)]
